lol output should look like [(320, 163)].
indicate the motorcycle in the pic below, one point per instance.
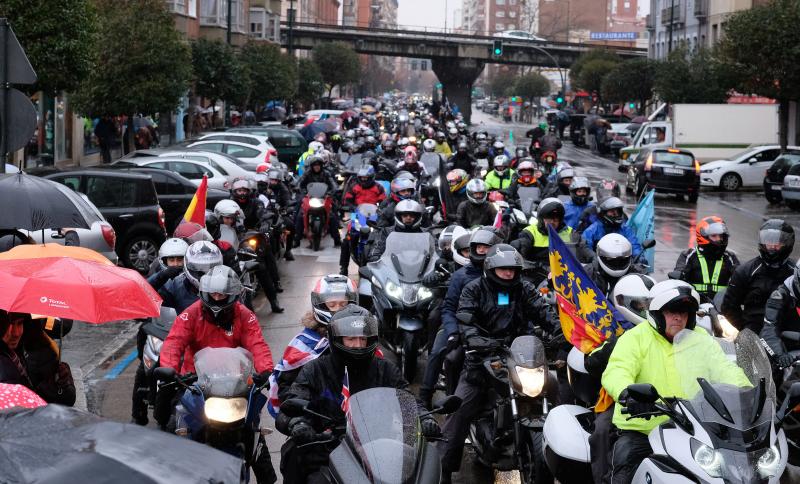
[(723, 433), (380, 441), (317, 205), (221, 404), (359, 229), (400, 300), (508, 434), (155, 331)]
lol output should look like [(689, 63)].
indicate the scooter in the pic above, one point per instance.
[(317, 205)]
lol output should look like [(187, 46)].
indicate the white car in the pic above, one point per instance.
[(746, 169), (218, 161), (190, 169), (243, 151), (518, 35)]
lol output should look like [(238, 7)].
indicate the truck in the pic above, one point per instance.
[(709, 131)]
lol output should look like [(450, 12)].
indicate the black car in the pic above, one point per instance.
[(667, 170), (129, 203), (773, 180)]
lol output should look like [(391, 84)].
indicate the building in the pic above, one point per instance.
[(313, 11), (487, 17), (573, 20), (265, 20)]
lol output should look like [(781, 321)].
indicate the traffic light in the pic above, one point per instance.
[(17, 114), (560, 98), (497, 48), (632, 105)]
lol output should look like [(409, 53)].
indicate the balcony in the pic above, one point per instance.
[(701, 9), (650, 22), (675, 16)]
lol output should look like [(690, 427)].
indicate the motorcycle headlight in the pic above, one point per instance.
[(339, 178), (768, 462), (252, 243), (394, 291), (437, 182), (316, 203), (531, 379), (225, 410), (424, 293), (708, 458), (729, 331)]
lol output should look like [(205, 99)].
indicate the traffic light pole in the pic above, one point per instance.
[(560, 72), (4, 86)]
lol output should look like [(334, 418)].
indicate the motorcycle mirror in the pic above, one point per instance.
[(674, 275), (294, 407), (645, 392), (793, 336), (649, 243), (165, 374), (365, 272), (790, 402)]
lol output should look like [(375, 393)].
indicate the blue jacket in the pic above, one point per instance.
[(178, 294), (597, 230), (459, 279), (573, 213)]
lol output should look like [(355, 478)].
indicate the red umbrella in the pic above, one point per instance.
[(76, 289), (19, 396)]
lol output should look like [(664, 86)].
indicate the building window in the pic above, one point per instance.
[(500, 14), (192, 12), (213, 12), (512, 2), (177, 6), (512, 14), (499, 27), (499, 2), (511, 26)]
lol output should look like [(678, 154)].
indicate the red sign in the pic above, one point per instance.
[(741, 99)]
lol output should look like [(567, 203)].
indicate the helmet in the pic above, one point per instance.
[(543, 125), (428, 145), (349, 134), (405, 207), (332, 287), (452, 132), (315, 160), (775, 241), (173, 247), (550, 208), (457, 179), (564, 174), (315, 147), (525, 166), (482, 152), (462, 146), (220, 279), (500, 164), (631, 295), (480, 137), (476, 191), (607, 188), (708, 227), (502, 256), (192, 232), (353, 322), (520, 152), (460, 243), (262, 182), (482, 236), (388, 146), (366, 176), (439, 136), (614, 255), (498, 146), (402, 143), (263, 167), (579, 182), (212, 225), (227, 208), (237, 190), (610, 212), (446, 238), (274, 175), (678, 296), (402, 184), (200, 258), (371, 142)]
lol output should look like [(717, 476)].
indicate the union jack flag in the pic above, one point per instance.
[(305, 347), (346, 392)]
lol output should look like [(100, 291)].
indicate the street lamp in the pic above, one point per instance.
[(560, 72)]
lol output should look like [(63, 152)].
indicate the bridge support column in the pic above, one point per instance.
[(457, 77)]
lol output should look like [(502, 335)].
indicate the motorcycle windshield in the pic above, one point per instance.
[(431, 163), (223, 372), (528, 197), (410, 255), (352, 163), (317, 190), (528, 352), (229, 235), (367, 210), (382, 429)]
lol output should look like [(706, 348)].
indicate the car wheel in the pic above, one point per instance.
[(139, 252), (692, 197), (773, 197), (730, 182)]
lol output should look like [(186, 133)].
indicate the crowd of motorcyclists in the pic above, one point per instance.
[(488, 214)]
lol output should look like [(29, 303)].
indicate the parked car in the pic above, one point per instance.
[(518, 35), (773, 180), (243, 151), (667, 170), (491, 107), (130, 204), (791, 187), (743, 170), (223, 162), (190, 169), (289, 143), (479, 103)]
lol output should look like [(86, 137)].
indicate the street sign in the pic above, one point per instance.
[(22, 122), (613, 35), (17, 114)]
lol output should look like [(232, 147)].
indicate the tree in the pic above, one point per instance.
[(531, 86), (595, 54), (692, 78), (592, 74), (272, 74), (501, 83), (338, 63), (310, 84), (761, 46), (630, 80), (58, 37), (217, 71)]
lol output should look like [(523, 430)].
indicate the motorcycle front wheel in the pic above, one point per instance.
[(534, 469)]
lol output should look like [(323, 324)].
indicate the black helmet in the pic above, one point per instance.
[(220, 279), (212, 225), (550, 208), (579, 182), (775, 241), (353, 322), (502, 256), (610, 212), (482, 236), (405, 207), (366, 176), (388, 146)]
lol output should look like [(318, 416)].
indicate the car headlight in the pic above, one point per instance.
[(225, 410), (708, 458), (316, 203), (424, 293), (531, 379), (394, 291), (768, 462), (625, 156)]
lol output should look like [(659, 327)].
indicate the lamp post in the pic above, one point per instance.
[(560, 72), (228, 39)]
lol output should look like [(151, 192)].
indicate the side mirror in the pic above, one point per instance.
[(164, 373), (752, 160), (646, 393), (791, 401), (294, 407), (246, 254), (364, 272), (674, 275), (649, 243)]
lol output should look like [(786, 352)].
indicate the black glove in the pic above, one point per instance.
[(171, 272), (261, 378), (634, 406), (481, 343), (784, 360), (430, 429), (453, 342), (302, 432), (432, 279)]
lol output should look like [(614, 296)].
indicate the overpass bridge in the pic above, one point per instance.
[(457, 59)]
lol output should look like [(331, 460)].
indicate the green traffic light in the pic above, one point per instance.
[(498, 52), (560, 100), (632, 105)]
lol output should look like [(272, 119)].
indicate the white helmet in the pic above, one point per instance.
[(428, 145), (631, 296), (227, 208), (675, 295), (316, 147), (200, 258), (614, 255), (173, 247), (460, 243)]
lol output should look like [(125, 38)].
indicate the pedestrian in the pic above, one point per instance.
[(105, 131)]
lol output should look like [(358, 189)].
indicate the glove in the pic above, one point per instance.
[(430, 429), (171, 272), (634, 406), (453, 342), (261, 378), (303, 433), (784, 360), (481, 343), (432, 279)]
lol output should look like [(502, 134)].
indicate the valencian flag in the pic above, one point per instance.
[(196, 211), (587, 318)]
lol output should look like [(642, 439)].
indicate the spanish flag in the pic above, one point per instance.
[(587, 318), (196, 212)]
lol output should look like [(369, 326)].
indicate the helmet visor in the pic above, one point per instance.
[(222, 281), (774, 238), (717, 228), (636, 304), (616, 263), (355, 326)]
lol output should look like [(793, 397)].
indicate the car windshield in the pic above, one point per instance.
[(670, 158), (223, 372), (410, 254)]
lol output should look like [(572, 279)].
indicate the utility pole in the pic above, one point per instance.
[(228, 39), (671, 24), (291, 28)]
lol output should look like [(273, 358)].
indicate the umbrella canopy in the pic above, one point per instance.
[(34, 203), (55, 444), (317, 127), (75, 289), (40, 251), (19, 396), (366, 108)]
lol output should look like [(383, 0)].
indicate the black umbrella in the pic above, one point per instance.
[(55, 444), (34, 203)]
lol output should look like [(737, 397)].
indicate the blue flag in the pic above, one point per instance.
[(643, 224)]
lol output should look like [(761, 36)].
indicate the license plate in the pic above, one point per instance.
[(673, 171), (793, 182), (777, 188)]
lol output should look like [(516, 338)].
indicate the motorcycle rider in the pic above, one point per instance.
[(605, 188), (351, 363), (442, 147), (645, 354), (408, 216), (611, 221), (497, 149), (612, 261), (551, 142), (462, 160), (277, 191), (452, 138), (753, 281), (475, 211), (526, 176), (492, 311), (520, 153), (412, 165), (366, 190), (564, 179), (170, 262), (457, 180), (709, 257), (402, 189), (181, 292), (579, 201), (317, 174), (314, 148), (782, 313), (535, 134), (500, 177)]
